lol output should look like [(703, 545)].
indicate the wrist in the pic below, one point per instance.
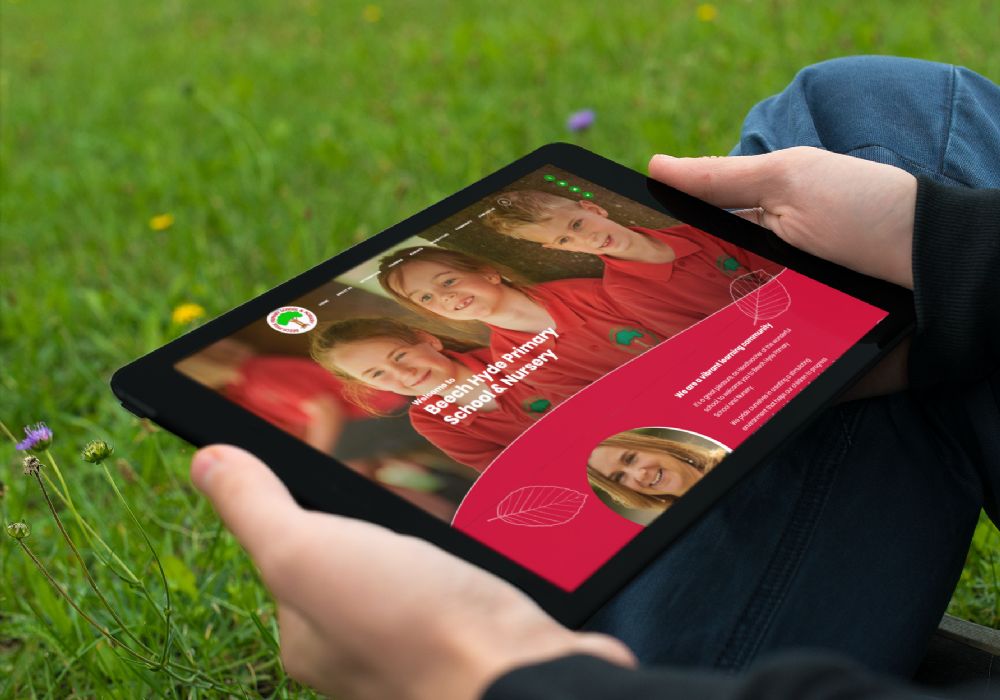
[(470, 658), (473, 657), (900, 243)]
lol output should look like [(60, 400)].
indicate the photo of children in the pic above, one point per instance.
[(290, 392), (670, 277), (641, 473), (383, 354), (581, 325), (431, 359)]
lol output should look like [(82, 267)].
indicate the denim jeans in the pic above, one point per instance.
[(852, 537)]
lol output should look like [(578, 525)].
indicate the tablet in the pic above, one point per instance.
[(549, 374)]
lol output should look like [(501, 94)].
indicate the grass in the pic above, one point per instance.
[(276, 134)]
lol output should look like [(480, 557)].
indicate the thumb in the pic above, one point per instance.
[(247, 495), (605, 647), (733, 182)]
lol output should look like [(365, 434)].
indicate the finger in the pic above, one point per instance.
[(754, 215), (735, 182), (247, 495), (887, 377), (759, 216)]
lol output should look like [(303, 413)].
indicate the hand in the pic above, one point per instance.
[(366, 613), (853, 212)]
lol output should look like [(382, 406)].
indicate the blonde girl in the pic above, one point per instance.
[(648, 472), (575, 318)]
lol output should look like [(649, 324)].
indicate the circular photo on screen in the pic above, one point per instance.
[(640, 473)]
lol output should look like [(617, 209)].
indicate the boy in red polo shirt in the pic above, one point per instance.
[(669, 278)]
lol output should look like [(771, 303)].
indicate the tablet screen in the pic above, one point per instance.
[(549, 370)]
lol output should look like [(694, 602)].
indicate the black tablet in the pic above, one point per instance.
[(549, 374)]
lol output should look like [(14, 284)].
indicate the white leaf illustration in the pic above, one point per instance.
[(540, 506), (759, 295)]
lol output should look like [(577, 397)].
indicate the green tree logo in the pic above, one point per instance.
[(727, 264), (636, 340), (538, 405), (292, 319)]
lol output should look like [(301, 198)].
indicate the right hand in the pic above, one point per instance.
[(366, 613), (850, 211)]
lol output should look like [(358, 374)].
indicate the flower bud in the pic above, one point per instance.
[(96, 451), (18, 529)]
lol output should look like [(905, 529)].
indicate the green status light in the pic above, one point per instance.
[(549, 178), (588, 195), (574, 188), (561, 183)]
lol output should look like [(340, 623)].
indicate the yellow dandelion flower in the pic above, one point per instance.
[(161, 222), (707, 12), (185, 313), (371, 13)]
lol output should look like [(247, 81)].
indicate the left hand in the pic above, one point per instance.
[(850, 211), (847, 210), (367, 613)]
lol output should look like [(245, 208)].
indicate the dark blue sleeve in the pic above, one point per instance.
[(797, 676), (956, 285)]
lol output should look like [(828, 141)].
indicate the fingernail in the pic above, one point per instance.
[(202, 466), (663, 156)]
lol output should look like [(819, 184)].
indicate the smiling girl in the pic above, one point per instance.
[(574, 318), (456, 408), (648, 472)]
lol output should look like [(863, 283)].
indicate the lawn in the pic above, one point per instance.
[(157, 154)]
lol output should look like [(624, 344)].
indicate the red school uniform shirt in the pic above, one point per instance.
[(672, 296), (275, 387), (595, 335), (481, 436)]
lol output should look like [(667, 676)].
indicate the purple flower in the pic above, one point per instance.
[(37, 437), (581, 121)]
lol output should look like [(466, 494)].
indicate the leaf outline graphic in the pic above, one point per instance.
[(759, 295), (540, 506)]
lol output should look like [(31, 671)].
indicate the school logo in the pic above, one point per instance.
[(631, 339), (291, 320), (536, 406), (727, 264)]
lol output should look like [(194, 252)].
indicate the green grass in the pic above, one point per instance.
[(277, 134)]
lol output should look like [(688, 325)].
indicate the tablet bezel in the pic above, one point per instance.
[(151, 387)]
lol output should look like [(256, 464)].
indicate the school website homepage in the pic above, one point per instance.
[(549, 370)]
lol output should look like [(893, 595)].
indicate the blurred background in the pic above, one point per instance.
[(163, 161)]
